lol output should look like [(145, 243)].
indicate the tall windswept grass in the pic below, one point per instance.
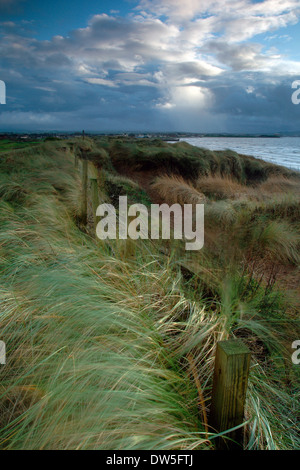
[(96, 347), (219, 187), (280, 184), (106, 351), (226, 187), (92, 360), (276, 240), (174, 189)]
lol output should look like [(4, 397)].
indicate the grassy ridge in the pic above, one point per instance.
[(184, 159), (110, 348), (7, 145)]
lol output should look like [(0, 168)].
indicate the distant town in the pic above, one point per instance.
[(167, 136)]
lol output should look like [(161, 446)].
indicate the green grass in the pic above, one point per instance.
[(103, 337), (184, 159), (6, 144)]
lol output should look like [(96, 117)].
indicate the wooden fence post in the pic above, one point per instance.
[(229, 393), (94, 197), (84, 190), (93, 183)]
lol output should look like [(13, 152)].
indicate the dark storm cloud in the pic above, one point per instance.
[(248, 100), (237, 56)]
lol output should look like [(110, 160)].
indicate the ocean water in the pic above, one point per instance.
[(283, 151)]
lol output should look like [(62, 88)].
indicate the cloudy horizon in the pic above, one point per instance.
[(150, 65)]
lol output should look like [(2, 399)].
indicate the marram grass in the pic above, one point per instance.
[(111, 349)]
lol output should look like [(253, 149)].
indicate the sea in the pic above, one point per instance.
[(283, 151)]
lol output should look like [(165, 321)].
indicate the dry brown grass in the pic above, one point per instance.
[(219, 187), (174, 189), (280, 184), (225, 187)]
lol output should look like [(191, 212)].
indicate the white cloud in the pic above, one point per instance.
[(179, 11), (237, 20), (242, 28), (203, 48), (191, 97), (101, 81), (165, 105), (44, 88)]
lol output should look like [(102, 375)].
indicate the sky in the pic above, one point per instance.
[(150, 65)]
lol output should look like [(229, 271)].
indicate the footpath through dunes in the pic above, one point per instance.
[(145, 179), (161, 189), (114, 350)]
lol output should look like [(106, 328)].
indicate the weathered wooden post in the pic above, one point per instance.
[(76, 160), (93, 183), (84, 190), (229, 393)]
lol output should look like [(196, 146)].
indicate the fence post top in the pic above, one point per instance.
[(233, 346)]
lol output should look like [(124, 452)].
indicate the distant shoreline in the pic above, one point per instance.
[(171, 136), (284, 151)]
